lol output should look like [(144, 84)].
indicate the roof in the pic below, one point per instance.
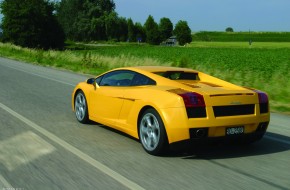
[(160, 68)]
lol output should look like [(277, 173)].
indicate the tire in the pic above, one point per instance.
[(81, 108), (152, 133)]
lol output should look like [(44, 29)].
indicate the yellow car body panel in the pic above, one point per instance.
[(120, 107)]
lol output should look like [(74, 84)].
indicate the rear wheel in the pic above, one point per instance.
[(152, 132), (81, 108)]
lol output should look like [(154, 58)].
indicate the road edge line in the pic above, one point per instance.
[(118, 177), (5, 182)]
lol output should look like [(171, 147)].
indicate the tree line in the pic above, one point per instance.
[(47, 24)]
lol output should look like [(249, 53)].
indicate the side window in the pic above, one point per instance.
[(117, 78), (98, 80), (141, 80)]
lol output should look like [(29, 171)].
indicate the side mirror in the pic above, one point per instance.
[(93, 82)]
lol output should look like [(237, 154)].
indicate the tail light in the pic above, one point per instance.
[(194, 103), (263, 98), (192, 99), (263, 101)]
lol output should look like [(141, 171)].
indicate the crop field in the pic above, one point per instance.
[(268, 45), (265, 66), (242, 36)]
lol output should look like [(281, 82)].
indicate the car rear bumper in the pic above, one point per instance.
[(179, 127), (216, 132), (235, 139)]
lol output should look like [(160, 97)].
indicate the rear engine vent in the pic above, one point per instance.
[(221, 111), (236, 94), (211, 84), (191, 85)]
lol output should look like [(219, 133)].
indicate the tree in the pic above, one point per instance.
[(131, 31), (182, 32), (67, 13), (229, 29), (152, 32), (140, 32), (85, 20), (165, 28), (123, 29), (136, 31), (112, 25), (116, 27), (31, 23)]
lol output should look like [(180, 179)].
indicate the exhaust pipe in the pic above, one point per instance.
[(262, 126), (198, 133)]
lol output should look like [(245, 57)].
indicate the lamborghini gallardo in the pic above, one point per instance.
[(161, 106)]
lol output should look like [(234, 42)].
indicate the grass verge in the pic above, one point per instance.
[(261, 68)]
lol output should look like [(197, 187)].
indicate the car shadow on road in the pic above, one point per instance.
[(271, 143), (92, 123)]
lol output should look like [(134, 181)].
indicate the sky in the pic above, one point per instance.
[(212, 15)]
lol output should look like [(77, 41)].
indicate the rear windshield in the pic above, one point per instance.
[(178, 75)]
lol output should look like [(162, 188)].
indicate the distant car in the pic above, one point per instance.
[(166, 105)]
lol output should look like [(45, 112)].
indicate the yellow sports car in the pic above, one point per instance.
[(166, 105)]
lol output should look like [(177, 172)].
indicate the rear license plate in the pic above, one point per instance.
[(235, 130)]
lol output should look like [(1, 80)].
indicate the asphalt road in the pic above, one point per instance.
[(42, 146)]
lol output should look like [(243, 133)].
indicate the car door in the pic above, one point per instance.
[(136, 92), (107, 100)]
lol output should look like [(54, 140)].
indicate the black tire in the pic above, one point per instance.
[(152, 133), (81, 108)]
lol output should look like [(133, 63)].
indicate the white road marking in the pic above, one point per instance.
[(118, 177), (4, 182), (277, 139), (22, 149)]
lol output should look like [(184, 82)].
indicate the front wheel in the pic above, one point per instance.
[(81, 108), (152, 132)]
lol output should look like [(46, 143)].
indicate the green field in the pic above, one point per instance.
[(268, 45), (265, 66), (242, 36)]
